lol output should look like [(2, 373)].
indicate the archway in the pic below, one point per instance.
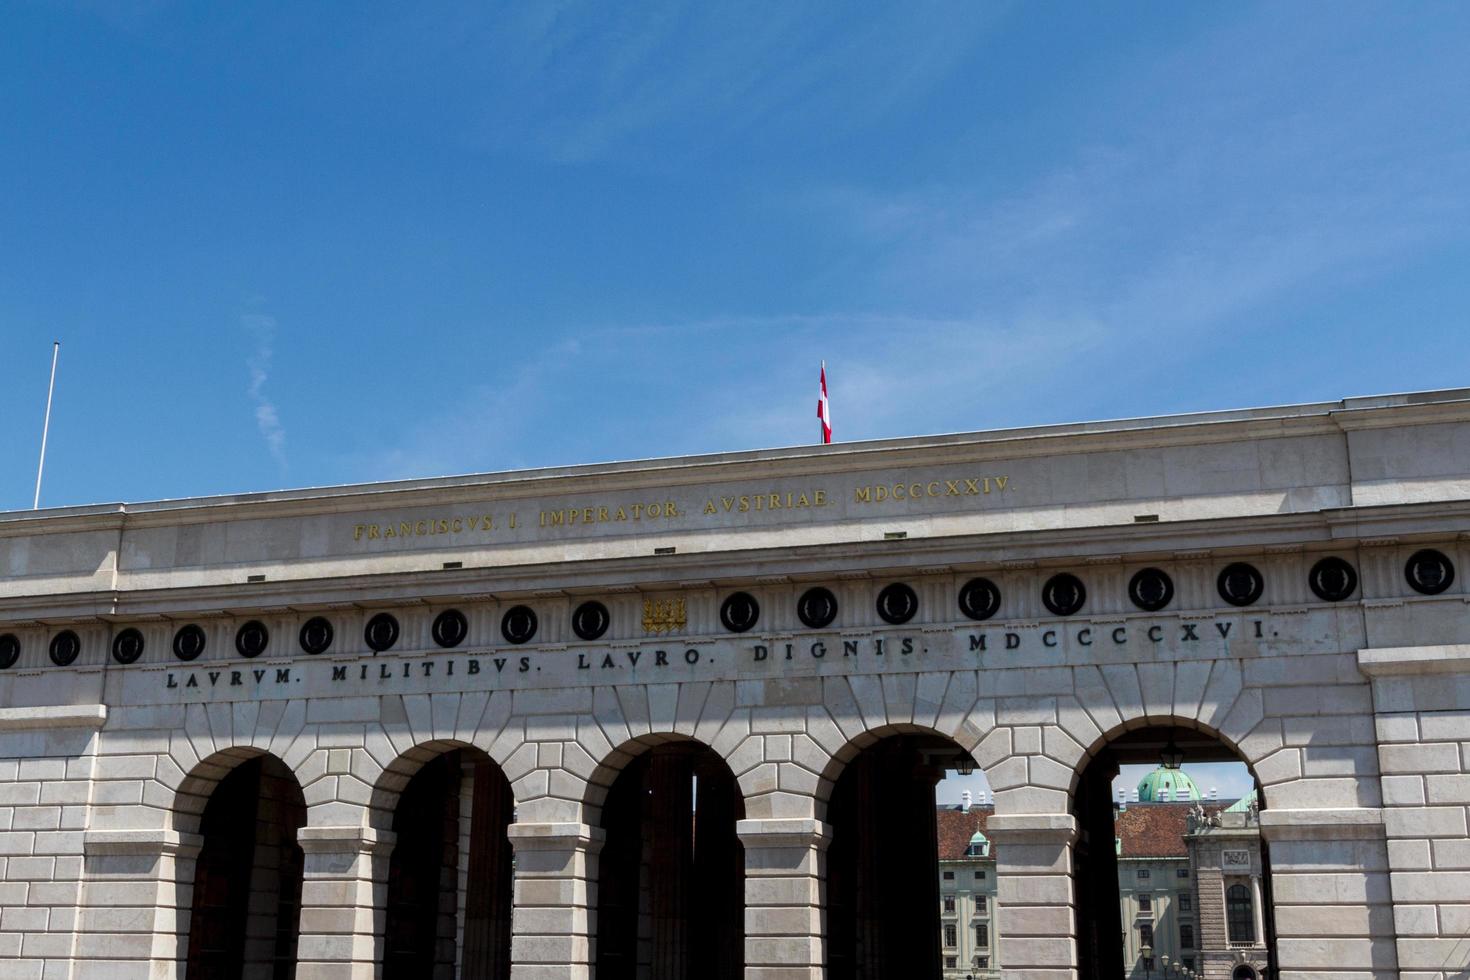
[(671, 879), (450, 873), (1169, 875), (246, 912), (884, 915)]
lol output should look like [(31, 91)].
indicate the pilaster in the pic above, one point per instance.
[(344, 896), (784, 898), (555, 894), (137, 891), (1035, 903)]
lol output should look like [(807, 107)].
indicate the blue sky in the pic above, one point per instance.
[(291, 245)]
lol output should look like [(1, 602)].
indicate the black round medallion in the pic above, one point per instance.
[(979, 598), (590, 620), (1240, 584), (817, 608), (897, 603), (1151, 589), (9, 650), (1063, 594), (450, 628), (316, 635), (518, 624), (1429, 572), (189, 642), (381, 632), (739, 612), (65, 647), (251, 639), (1332, 579), (127, 646)]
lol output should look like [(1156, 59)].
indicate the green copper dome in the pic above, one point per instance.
[(1179, 786), (1242, 804)]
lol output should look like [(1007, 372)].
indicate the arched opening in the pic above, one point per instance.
[(671, 878), (891, 910), (1170, 870), (450, 873), (246, 912)]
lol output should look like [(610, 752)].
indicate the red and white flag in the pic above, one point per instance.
[(824, 410)]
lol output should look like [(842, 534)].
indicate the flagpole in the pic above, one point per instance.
[(46, 426)]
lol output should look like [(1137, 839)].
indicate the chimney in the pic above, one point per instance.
[(965, 802), (1135, 794), (1214, 794), (1122, 799), (1164, 795)]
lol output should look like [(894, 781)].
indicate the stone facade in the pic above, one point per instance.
[(1351, 713)]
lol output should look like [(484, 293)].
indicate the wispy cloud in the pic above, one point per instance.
[(262, 330)]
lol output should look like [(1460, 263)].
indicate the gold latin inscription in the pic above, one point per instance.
[(747, 502), (977, 486), (668, 510), (431, 526), (601, 514)]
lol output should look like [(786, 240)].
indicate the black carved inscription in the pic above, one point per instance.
[(897, 603), (979, 598), (9, 650), (518, 625), (1151, 589), (316, 635), (251, 639), (66, 646), (381, 632), (1332, 579), (1240, 584), (127, 646), (1429, 572), (817, 608), (1064, 594), (189, 642), (739, 612), (450, 628)]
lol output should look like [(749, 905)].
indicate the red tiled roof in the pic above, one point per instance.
[(1147, 829), (956, 829), (1155, 829)]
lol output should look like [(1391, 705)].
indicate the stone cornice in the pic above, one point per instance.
[(1323, 418), (62, 716)]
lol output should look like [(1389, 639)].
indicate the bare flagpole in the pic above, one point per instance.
[(46, 428)]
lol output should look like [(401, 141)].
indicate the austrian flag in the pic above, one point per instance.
[(824, 410)]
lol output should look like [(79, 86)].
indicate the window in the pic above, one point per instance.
[(950, 936), (1145, 902), (1148, 963), (949, 903), (979, 875), (1189, 962), (1186, 935), (949, 876), (982, 904), (1240, 919), (1181, 872), (1145, 935), (982, 935), (982, 962), (1144, 874), (951, 962), (1186, 902)]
